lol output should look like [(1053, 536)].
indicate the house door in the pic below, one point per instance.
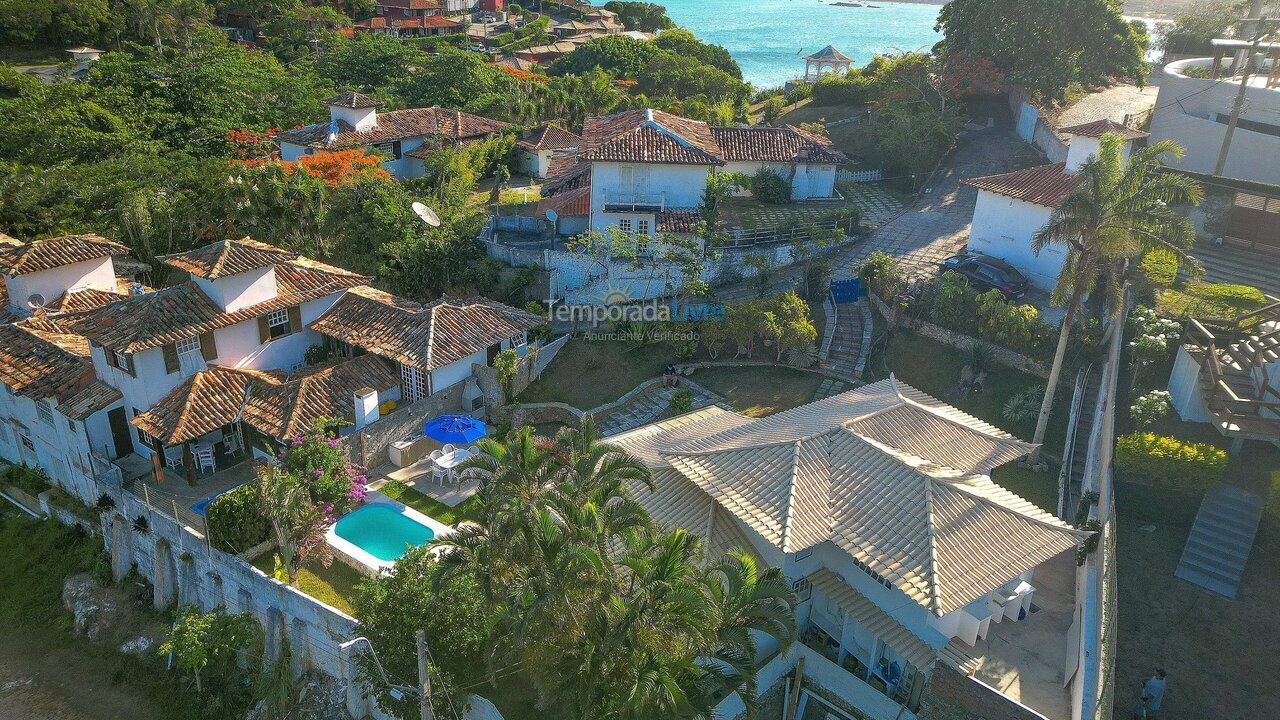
[(120, 431), (492, 354)]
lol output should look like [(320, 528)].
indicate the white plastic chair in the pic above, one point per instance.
[(437, 472), (173, 457), (448, 448), (204, 460)]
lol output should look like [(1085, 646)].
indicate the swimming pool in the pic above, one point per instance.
[(373, 536)]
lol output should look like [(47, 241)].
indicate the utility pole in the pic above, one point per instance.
[(1238, 106), (424, 680)]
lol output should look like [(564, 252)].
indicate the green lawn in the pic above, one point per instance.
[(934, 368), (334, 585), (589, 373), (760, 391), (1216, 301), (1040, 488), (755, 215), (466, 510)]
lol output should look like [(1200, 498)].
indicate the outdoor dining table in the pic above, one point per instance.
[(452, 460)]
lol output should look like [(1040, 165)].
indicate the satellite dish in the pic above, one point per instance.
[(551, 215), (427, 214), (36, 301)]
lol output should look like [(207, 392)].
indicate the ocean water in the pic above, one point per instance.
[(769, 38)]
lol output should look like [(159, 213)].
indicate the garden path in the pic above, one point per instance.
[(647, 407)]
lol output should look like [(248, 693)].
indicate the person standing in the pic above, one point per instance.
[(1151, 698)]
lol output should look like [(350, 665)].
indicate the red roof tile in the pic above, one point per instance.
[(19, 258), (352, 100), (422, 336), (781, 144), (93, 397), (35, 367), (567, 203), (396, 125), (548, 137), (1043, 185), (228, 257), (1098, 128), (649, 136), (678, 221)]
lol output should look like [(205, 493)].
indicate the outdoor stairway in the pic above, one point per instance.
[(846, 343), (1229, 264), (1234, 359), (1079, 450), (955, 655), (1221, 537)]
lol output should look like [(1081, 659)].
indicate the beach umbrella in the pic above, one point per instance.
[(456, 429)]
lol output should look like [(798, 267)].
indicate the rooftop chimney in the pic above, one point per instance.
[(365, 405)]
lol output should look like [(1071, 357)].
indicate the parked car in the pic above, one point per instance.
[(478, 48), (986, 273)]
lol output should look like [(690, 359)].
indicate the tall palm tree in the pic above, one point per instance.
[(297, 524), (1117, 211)]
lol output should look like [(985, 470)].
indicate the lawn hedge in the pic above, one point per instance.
[(1158, 459)]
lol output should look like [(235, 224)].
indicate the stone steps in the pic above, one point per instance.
[(846, 343), (1217, 549), (1228, 264)]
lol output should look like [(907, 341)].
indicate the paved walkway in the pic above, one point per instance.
[(828, 388), (846, 342)]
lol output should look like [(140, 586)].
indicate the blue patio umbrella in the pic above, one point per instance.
[(456, 429)]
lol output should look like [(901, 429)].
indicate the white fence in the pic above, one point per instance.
[(859, 176)]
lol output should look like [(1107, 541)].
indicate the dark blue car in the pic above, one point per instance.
[(986, 273)]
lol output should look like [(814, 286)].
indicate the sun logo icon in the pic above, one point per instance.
[(614, 295)]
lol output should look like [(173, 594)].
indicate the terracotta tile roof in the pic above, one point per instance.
[(649, 136), (93, 397), (678, 221), (574, 202), (35, 367), (352, 100), (548, 137), (275, 404), (917, 650), (1043, 185), (924, 520), (410, 4), (781, 144), (21, 258), (427, 22), (74, 301), (421, 336), (294, 405), (228, 257), (554, 49), (396, 125), (206, 401), (658, 137), (517, 63), (56, 330), (566, 171), (153, 319), (1098, 128)]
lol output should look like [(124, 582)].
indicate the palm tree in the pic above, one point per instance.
[(297, 524), (1117, 211)]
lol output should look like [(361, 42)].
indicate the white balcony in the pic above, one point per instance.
[(626, 202)]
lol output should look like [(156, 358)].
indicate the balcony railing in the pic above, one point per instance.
[(633, 202)]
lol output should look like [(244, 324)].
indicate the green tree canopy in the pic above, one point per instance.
[(685, 43), (454, 79), (622, 55), (1044, 46), (642, 16), (368, 61)]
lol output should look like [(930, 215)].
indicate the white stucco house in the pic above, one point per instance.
[(1193, 111), (1012, 207), (537, 146), (404, 137), (644, 170), (98, 372), (908, 560)]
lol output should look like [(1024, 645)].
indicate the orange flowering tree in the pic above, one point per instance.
[(250, 148), (340, 167)]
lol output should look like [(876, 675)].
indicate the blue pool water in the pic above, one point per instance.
[(380, 530), (769, 38)]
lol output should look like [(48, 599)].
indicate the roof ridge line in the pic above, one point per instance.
[(792, 484), (969, 491), (939, 414), (935, 577)]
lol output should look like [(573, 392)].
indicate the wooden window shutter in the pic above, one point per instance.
[(295, 318), (111, 356), (264, 330), (170, 358), (208, 347), (128, 360)]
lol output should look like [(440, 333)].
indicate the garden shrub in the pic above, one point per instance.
[(322, 462), (770, 188), (956, 306), (1007, 324), (851, 89), (235, 520), (1158, 459), (879, 274), (31, 480), (1150, 408), (1219, 301), (681, 402), (798, 93), (1024, 406)]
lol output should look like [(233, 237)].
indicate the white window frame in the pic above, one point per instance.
[(44, 409), (188, 345), (625, 225), (642, 227), (145, 438), (276, 319), (414, 384), (122, 360), (26, 441)]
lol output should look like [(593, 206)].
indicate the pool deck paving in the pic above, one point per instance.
[(418, 477)]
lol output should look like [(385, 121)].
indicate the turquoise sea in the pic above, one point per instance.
[(769, 38)]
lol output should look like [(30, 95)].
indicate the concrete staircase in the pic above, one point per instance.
[(1221, 537), (1079, 451), (846, 355), (1228, 264)]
